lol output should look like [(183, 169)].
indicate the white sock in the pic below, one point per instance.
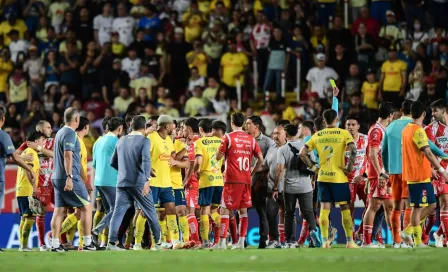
[(87, 240), (55, 243)]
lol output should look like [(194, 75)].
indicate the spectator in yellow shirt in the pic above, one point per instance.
[(195, 105), (198, 58), (288, 112), (10, 24), (370, 91), (233, 66), (393, 79), (6, 67), (193, 20)]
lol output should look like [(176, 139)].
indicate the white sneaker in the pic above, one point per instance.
[(178, 245), (166, 245), (115, 247), (137, 247), (381, 245), (397, 245), (438, 239), (273, 244), (221, 245), (25, 249), (239, 245), (407, 239), (371, 245), (43, 248), (291, 245), (404, 245)]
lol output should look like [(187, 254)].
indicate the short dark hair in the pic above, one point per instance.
[(115, 123), (439, 104), (34, 135), (70, 114), (2, 112), (283, 123), (309, 125), (257, 121), (129, 117), (237, 119), (385, 110), (138, 122), (206, 125), (291, 130), (352, 117), (319, 123), (104, 123), (193, 123), (83, 122), (330, 115), (406, 107), (219, 125), (417, 109)]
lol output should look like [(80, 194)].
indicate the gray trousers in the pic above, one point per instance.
[(108, 195), (306, 207), (272, 207), (125, 197)]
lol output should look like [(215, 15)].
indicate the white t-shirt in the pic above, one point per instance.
[(104, 27), (57, 12), (195, 82), (320, 79), (16, 47), (125, 27), (132, 67)]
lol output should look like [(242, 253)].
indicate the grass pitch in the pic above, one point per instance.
[(278, 260)]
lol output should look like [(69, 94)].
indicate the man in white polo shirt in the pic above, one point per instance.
[(124, 25), (319, 77)]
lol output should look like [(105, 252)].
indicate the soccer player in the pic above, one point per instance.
[(191, 183), (161, 153), (379, 190), (417, 161), (27, 188), (105, 175), (45, 191), (356, 179), (437, 132), (239, 148), (331, 144), (70, 191), (208, 169)]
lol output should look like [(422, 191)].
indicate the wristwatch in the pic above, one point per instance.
[(70, 176)]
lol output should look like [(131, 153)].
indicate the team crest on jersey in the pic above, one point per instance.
[(211, 178)]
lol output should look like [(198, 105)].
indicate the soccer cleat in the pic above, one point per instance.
[(438, 239), (178, 245), (221, 245), (114, 247), (332, 235), (58, 249), (273, 244), (351, 244), (422, 246), (166, 245), (381, 245), (25, 249), (404, 245), (371, 245), (407, 238), (90, 247), (315, 238), (137, 247), (95, 236), (43, 248), (396, 245), (262, 245)]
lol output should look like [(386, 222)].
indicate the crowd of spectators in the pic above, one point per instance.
[(187, 57)]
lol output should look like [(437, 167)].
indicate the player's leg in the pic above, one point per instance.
[(181, 212), (233, 227), (375, 201), (214, 212), (443, 200), (395, 219), (205, 201), (61, 201), (325, 197), (281, 218), (45, 197), (122, 203), (26, 222), (108, 195), (191, 199), (167, 201), (99, 212), (244, 198), (225, 214), (340, 194), (388, 205)]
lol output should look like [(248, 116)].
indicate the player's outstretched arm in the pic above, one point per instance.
[(437, 151), (351, 160), (434, 162)]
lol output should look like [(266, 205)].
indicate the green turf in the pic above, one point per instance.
[(279, 260)]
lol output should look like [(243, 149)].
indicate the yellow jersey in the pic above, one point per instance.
[(210, 169), (6, 68), (369, 91), (23, 184), (144, 82), (392, 75), (233, 64), (200, 61), (6, 27), (161, 150), (176, 174), (83, 155), (330, 145)]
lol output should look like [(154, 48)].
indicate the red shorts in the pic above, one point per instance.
[(440, 187), (45, 195), (377, 192), (236, 196), (358, 189), (399, 187), (192, 197)]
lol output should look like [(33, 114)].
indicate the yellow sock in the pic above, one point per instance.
[(409, 229), (71, 234), (27, 226), (69, 222), (97, 218), (324, 224), (422, 222), (139, 229), (216, 217), (22, 222), (205, 227), (130, 236), (173, 229), (104, 234), (81, 234), (184, 228), (164, 230), (418, 235), (347, 224)]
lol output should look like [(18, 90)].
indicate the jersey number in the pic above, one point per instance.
[(243, 163)]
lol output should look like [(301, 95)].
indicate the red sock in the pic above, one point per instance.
[(216, 233), (281, 230), (193, 224), (244, 223), (40, 224), (430, 222), (224, 226), (441, 230), (270, 237), (360, 229), (379, 236), (303, 232), (367, 234), (444, 222), (233, 230), (63, 238)]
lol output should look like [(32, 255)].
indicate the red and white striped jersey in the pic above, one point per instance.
[(438, 134), (375, 137), (261, 34), (46, 163), (361, 160)]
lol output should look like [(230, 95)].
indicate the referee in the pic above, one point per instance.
[(132, 160)]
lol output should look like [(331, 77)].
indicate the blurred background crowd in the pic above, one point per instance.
[(273, 58)]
